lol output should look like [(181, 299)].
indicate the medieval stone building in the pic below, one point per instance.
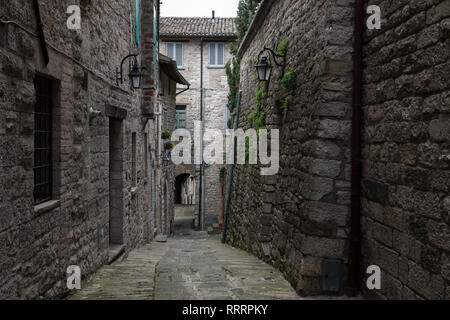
[(306, 220), (201, 47), (80, 178)]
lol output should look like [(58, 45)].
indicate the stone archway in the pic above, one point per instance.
[(185, 185), (181, 188)]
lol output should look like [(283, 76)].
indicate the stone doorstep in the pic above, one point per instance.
[(161, 238), (114, 252)]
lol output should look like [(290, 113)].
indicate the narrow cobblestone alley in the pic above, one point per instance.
[(190, 266)]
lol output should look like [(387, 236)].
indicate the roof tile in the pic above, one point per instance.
[(198, 27)]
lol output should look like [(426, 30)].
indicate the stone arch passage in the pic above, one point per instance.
[(180, 188)]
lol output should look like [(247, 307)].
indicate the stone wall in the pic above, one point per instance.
[(300, 217), (38, 243), (167, 182), (406, 177), (215, 99)]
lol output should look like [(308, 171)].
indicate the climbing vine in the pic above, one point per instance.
[(289, 80), (257, 118), (282, 47)]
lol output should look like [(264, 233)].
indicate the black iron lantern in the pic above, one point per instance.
[(264, 69), (136, 74)]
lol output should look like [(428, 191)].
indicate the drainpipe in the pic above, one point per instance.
[(201, 204), (355, 234), (230, 181), (41, 35)]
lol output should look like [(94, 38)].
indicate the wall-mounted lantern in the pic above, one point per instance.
[(136, 73), (264, 66)]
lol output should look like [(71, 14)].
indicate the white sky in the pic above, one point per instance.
[(199, 8)]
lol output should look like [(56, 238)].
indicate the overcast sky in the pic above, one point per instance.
[(198, 8)]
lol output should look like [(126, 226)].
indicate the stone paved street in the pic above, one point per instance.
[(190, 266)]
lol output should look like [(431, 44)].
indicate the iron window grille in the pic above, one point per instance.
[(43, 140)]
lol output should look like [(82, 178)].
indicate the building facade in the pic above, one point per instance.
[(79, 184), (170, 77), (321, 220), (201, 47)]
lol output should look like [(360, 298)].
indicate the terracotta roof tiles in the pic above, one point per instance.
[(198, 27)]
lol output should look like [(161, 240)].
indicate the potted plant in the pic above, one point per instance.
[(168, 146), (165, 135)]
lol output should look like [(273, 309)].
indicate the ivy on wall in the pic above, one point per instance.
[(257, 118), (233, 70)]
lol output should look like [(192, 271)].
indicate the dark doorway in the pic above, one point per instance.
[(116, 205), (179, 188)]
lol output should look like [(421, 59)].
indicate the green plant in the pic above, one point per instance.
[(247, 149), (223, 172), (284, 105), (289, 80), (282, 47), (257, 119), (168, 146), (264, 86), (166, 135), (230, 123), (258, 97)]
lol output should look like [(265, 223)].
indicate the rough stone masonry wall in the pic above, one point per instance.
[(37, 247), (300, 216), (406, 176), (167, 183)]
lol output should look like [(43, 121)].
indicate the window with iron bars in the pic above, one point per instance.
[(43, 183)]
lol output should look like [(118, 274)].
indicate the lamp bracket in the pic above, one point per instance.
[(274, 56), (120, 72)]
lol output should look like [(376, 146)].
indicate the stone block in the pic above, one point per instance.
[(325, 168), (438, 234), (323, 247), (311, 267), (440, 129), (334, 129), (388, 260), (323, 212), (317, 188), (376, 191), (430, 286), (323, 149), (382, 234)]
